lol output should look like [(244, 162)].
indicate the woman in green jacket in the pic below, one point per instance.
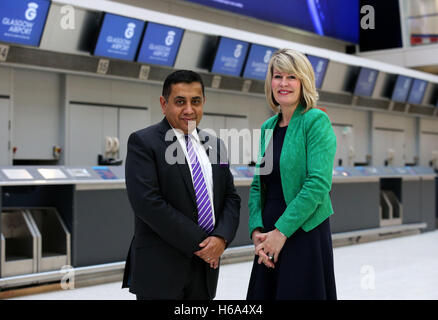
[(289, 202)]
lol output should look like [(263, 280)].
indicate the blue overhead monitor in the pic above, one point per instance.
[(366, 82), (22, 21), (319, 68), (160, 44), (332, 18), (230, 56), (257, 63), (119, 37), (417, 91), (401, 88)]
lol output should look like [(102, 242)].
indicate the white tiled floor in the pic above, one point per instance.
[(400, 268)]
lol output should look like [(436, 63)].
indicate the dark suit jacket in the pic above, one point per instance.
[(163, 199)]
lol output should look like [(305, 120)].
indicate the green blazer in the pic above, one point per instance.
[(306, 169)]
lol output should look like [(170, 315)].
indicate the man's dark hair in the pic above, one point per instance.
[(186, 76)]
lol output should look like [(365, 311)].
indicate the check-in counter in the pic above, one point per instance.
[(415, 187), (371, 197), (90, 203), (96, 220), (428, 195), (363, 198), (355, 200)]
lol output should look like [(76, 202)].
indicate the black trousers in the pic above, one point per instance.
[(195, 287)]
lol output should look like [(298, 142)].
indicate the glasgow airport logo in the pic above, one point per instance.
[(238, 51), (129, 32), (170, 38), (121, 45), (20, 28), (22, 21), (31, 12)]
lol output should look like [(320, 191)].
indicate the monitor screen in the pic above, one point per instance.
[(22, 21), (105, 173), (417, 91), (119, 37), (160, 44), (365, 82), (332, 18), (230, 56), (319, 67), (401, 88), (257, 63)]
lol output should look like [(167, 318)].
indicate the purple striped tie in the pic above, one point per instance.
[(205, 213)]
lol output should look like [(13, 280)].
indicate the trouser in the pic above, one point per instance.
[(195, 287)]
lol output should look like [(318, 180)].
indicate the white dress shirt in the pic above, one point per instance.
[(202, 158)]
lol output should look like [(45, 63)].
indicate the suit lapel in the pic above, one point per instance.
[(216, 176), (211, 148), (170, 140)]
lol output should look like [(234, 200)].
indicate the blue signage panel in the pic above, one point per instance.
[(333, 18), (230, 56), (365, 82), (257, 63), (401, 88), (119, 37), (319, 68), (22, 21), (160, 44), (417, 91)]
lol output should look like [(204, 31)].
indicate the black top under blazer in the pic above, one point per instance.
[(162, 196)]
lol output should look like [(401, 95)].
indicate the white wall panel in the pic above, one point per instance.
[(5, 152), (5, 81), (406, 124), (37, 113)]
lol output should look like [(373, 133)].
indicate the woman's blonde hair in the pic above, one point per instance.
[(296, 63)]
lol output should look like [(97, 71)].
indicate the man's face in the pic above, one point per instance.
[(184, 106)]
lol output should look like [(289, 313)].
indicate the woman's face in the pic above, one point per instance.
[(286, 89)]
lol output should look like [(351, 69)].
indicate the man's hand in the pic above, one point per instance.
[(212, 249)]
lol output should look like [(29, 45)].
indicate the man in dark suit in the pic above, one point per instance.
[(183, 196)]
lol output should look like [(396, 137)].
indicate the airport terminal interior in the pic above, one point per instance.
[(78, 77)]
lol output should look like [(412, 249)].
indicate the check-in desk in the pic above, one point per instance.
[(428, 195), (372, 197), (363, 198), (355, 200), (92, 209), (81, 214), (243, 176)]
